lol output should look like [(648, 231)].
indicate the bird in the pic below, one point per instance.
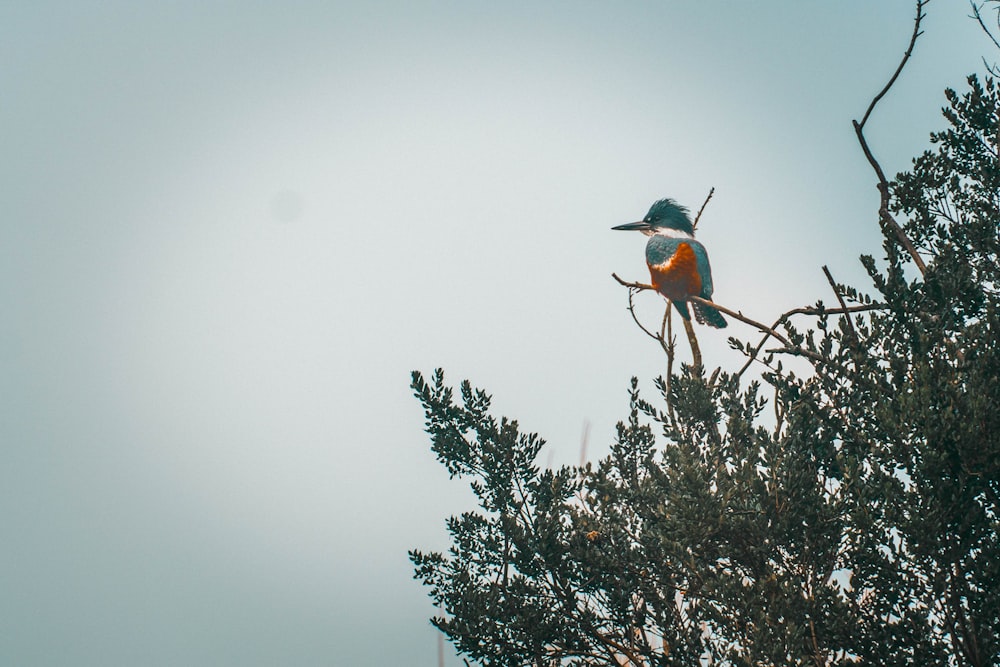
[(678, 265)]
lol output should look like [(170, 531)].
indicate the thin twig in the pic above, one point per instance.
[(635, 287), (665, 337), (976, 14), (804, 311), (688, 328), (638, 286), (979, 17), (883, 184), (906, 56), (667, 328), (840, 300), (702, 209), (808, 354)]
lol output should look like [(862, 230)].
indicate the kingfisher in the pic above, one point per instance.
[(678, 265)]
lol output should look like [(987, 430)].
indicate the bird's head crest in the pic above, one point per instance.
[(668, 213)]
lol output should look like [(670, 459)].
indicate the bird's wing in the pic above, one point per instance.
[(704, 269)]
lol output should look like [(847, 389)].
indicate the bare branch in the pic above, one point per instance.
[(906, 56), (808, 354), (840, 300), (883, 184), (693, 340), (633, 288), (739, 316), (667, 329), (702, 209), (638, 286), (804, 311), (977, 14), (769, 331), (665, 337)]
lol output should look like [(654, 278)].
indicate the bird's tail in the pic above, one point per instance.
[(708, 315)]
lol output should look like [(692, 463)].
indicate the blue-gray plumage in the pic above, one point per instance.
[(668, 213), (678, 265)]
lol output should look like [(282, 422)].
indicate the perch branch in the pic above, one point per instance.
[(770, 332), (636, 286), (665, 341), (739, 316), (693, 340)]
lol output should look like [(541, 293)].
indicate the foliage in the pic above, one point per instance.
[(858, 524)]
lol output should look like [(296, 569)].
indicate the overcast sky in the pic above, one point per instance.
[(230, 230)]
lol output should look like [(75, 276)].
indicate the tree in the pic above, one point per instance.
[(858, 525)]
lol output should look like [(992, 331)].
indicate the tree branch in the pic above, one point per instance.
[(769, 331), (739, 316), (638, 287), (840, 300), (667, 328), (702, 209), (906, 56), (805, 311), (693, 340), (883, 184), (667, 345), (977, 14)]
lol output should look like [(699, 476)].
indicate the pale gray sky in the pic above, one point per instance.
[(231, 229)]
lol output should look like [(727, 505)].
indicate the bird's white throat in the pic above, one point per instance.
[(673, 233)]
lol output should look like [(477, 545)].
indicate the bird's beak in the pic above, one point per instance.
[(641, 226)]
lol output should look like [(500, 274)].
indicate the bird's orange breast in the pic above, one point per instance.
[(678, 277)]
